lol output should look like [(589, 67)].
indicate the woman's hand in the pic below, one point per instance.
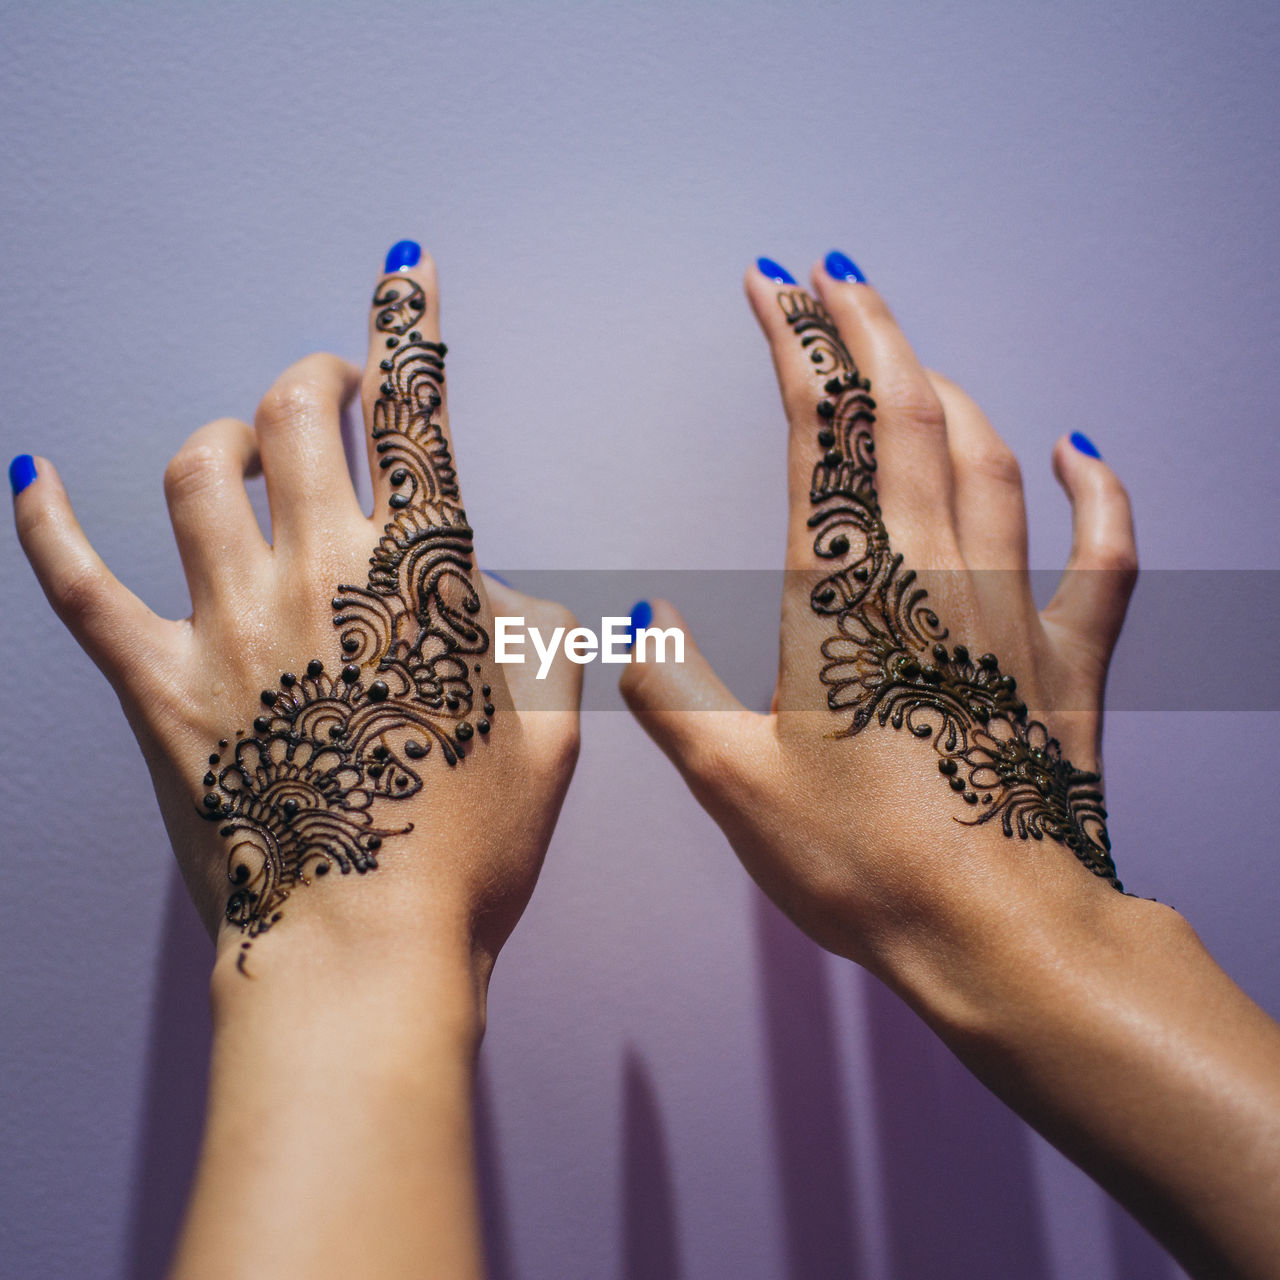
[(334, 750), (925, 796), (348, 778), (934, 743)]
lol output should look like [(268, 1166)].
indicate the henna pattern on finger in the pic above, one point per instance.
[(887, 661), (304, 791), (401, 304)]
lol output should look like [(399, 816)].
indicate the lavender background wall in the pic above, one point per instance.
[(1072, 208)]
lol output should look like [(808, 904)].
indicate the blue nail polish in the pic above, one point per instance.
[(497, 577), (842, 267), (1084, 444), (778, 274), (22, 471), (641, 616), (403, 255)]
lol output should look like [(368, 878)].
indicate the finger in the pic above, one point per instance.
[(1102, 569), (686, 709), (406, 412), (560, 689), (548, 707), (122, 636), (806, 353), (913, 472), (991, 516), (299, 425), (213, 521)]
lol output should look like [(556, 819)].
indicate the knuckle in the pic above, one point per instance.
[(292, 400), (78, 593), (192, 470), (913, 401), (1114, 557), (324, 368), (995, 462)]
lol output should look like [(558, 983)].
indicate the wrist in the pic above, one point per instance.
[(998, 960), (343, 1058), (396, 981)]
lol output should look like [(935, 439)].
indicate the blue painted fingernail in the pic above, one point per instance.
[(1084, 444), (641, 616), (778, 274), (497, 577), (403, 255), (22, 471), (842, 267)]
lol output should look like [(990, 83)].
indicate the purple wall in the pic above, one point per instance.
[(1073, 212)]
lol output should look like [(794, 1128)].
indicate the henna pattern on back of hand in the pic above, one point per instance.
[(887, 662), (306, 789)]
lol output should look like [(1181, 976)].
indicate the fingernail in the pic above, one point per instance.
[(22, 471), (403, 255), (842, 267), (497, 577), (1084, 444), (641, 616), (778, 274)]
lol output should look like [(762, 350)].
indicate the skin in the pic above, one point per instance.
[(1099, 1017), (338, 1138)]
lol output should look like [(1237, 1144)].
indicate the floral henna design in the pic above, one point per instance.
[(887, 661), (298, 795)]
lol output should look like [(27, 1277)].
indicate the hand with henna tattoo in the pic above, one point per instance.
[(925, 796), (358, 797)]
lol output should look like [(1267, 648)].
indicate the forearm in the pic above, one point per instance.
[(1113, 1031), (338, 1138)]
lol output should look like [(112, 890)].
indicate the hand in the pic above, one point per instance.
[(335, 753), (913, 808), (908, 780)]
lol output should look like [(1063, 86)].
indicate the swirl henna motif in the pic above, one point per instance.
[(303, 792), (887, 661), (401, 304)]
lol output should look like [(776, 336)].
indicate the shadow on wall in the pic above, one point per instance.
[(1137, 1255), (960, 1189), (176, 1081), (176, 1084), (811, 1129), (650, 1231), (959, 1185), (492, 1188)]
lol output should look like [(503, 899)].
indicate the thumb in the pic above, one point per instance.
[(1093, 594), (683, 705), (121, 635)]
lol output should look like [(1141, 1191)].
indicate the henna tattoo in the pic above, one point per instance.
[(297, 795), (887, 661), (402, 304)]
